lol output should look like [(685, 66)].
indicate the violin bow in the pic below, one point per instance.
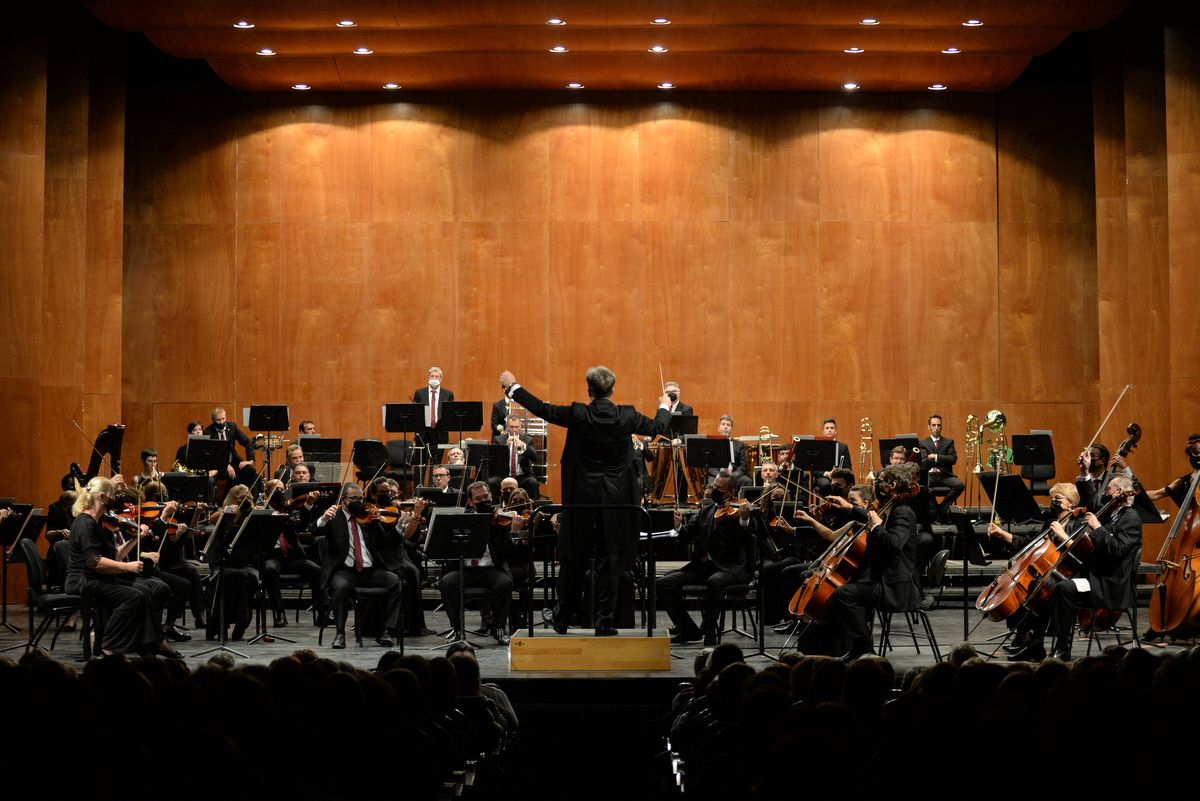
[(1116, 403)]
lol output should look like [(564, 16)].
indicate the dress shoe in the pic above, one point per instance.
[(199, 623), (606, 631), (339, 640), (281, 621), (421, 632), (548, 616), (167, 652), (686, 637), (385, 641), (1062, 651), (239, 631), (175, 635), (1033, 652), (501, 636)]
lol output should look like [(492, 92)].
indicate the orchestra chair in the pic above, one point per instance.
[(741, 599), (1129, 605), (911, 617), (361, 598), (935, 576), (54, 606)]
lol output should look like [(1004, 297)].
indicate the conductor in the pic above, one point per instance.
[(597, 468)]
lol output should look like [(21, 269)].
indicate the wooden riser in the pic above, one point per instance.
[(584, 653)]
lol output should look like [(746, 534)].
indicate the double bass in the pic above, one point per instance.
[(1175, 600)]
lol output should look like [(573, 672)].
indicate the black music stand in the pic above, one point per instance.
[(254, 542), (467, 415), (455, 534), (184, 487), (1146, 509), (268, 418), (1013, 501), (484, 456), (682, 425), (1032, 449), (707, 453), (321, 449), (972, 554), (436, 496), (370, 457), (205, 453), (403, 419), (18, 526), (814, 455)]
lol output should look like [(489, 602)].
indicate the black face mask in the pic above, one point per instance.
[(484, 507), (504, 496), (717, 495), (674, 396), (356, 507), (384, 499)]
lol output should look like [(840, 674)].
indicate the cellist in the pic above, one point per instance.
[(1102, 583)]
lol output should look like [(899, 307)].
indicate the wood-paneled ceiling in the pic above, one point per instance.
[(739, 45)]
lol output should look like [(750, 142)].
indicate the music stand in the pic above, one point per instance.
[(814, 455), (370, 457), (707, 453), (403, 418), (18, 526), (184, 487), (483, 457), (1032, 449), (1147, 511), (1013, 501), (682, 425), (467, 415), (321, 449), (254, 542), (204, 453), (455, 534), (436, 496), (972, 553)]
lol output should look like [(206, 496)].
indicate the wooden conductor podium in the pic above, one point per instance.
[(586, 653)]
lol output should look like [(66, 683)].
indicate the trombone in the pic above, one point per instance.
[(866, 451)]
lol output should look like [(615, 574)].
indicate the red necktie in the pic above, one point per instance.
[(433, 409), (358, 559), (283, 546), (512, 466)]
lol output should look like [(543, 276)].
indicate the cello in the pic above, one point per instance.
[(1175, 599)]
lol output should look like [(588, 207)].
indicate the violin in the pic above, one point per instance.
[(731, 507), (115, 522)]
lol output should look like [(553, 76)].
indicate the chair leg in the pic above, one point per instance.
[(908, 620), (928, 626)]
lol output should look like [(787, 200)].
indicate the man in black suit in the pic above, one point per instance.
[(890, 578), (1094, 475), (501, 409), (671, 388), (433, 396), (519, 462), (491, 571), (597, 468), (738, 466), (938, 457), (352, 562), (841, 454), (239, 470), (1107, 572), (724, 555)]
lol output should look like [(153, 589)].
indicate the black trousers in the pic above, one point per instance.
[(494, 579), (188, 572), (669, 589), (410, 591), (594, 539), (132, 610), (180, 590), (240, 586), (852, 603), (300, 565), (778, 585), (950, 482), (345, 580)]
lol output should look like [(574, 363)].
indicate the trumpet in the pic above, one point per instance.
[(518, 442), (866, 450)]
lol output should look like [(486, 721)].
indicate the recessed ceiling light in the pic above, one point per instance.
[(363, 51), (301, 87), (853, 50), (391, 86), (573, 85), (556, 21), (559, 49), (266, 51), (973, 23), (666, 85), (243, 25), (850, 86), (660, 21), (937, 87), (868, 21), (347, 23), (658, 49), (951, 51)]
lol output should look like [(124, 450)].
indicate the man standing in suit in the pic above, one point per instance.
[(938, 457), (841, 454), (436, 431), (519, 462), (353, 562), (239, 470), (597, 468)]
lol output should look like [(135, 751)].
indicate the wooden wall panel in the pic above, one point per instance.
[(772, 159), (866, 169), (594, 164), (324, 171), (259, 188), (501, 169), (414, 152), (684, 163), (265, 312), (953, 155)]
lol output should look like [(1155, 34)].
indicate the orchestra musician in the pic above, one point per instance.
[(738, 466), (293, 456), (433, 396), (788, 552), (396, 551), (353, 562), (168, 563), (725, 548), (1104, 579), (308, 428), (134, 602), (596, 469), (938, 458), (672, 391), (889, 579), (642, 455), (501, 410), (490, 571), (841, 455), (1177, 489), (520, 461), (227, 431), (1094, 475), (240, 578), (295, 548), (149, 467), (194, 429)]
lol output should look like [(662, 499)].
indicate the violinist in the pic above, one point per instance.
[(490, 571), (889, 580), (724, 556), (149, 468), (738, 467), (292, 552), (134, 602), (788, 554), (395, 550), (1104, 582), (518, 504), (240, 578), (520, 460), (166, 561), (353, 562), (642, 455)]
